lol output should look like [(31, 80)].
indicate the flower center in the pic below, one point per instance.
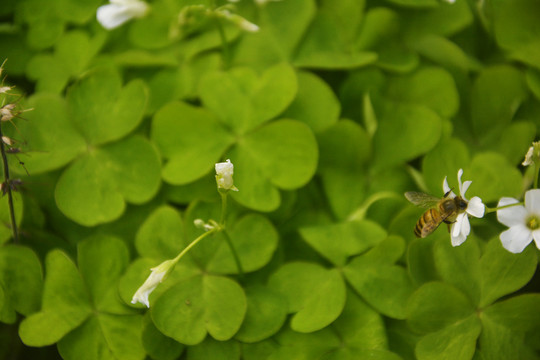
[(533, 222)]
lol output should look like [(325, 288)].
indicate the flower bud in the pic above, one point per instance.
[(224, 175)]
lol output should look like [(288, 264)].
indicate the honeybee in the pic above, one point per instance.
[(440, 210)]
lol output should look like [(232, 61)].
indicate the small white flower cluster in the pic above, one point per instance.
[(522, 219)]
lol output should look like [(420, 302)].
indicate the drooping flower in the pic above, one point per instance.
[(461, 228), (533, 154), (156, 277), (523, 222), (116, 13), (224, 175)]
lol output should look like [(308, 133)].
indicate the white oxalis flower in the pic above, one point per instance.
[(523, 221), (224, 175), (155, 278), (461, 228), (116, 13)]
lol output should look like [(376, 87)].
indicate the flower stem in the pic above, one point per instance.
[(7, 184), (235, 254), (490, 210), (225, 234), (536, 169), (192, 244)]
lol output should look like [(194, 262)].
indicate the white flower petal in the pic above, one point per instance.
[(464, 188), (532, 201), (447, 189), (511, 216), (119, 11), (536, 237), (475, 207), (458, 240), (457, 226), (516, 238)]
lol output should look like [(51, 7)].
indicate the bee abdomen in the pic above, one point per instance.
[(427, 223)]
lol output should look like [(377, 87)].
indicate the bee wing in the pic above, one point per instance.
[(422, 199)]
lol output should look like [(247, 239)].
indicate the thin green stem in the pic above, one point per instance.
[(192, 244), (223, 208), (7, 184), (536, 169), (235, 254), (490, 210), (225, 234)]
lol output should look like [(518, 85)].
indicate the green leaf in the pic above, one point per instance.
[(384, 286), (329, 41), (420, 259), (516, 28), (94, 189), (105, 337), (436, 305), (21, 280), (191, 139), (519, 313), (190, 309), (161, 234), (405, 132), (292, 163), (66, 303), (104, 110), (445, 19), (266, 313), (75, 49), (282, 26), (432, 87), (54, 148), (102, 260), (315, 103), (487, 166), (503, 272), (496, 95), (254, 239), (444, 52), (50, 73), (215, 350), (361, 326), (337, 242), (244, 100), (457, 341), (459, 266), (498, 342), (444, 160), (157, 345), (344, 150), (283, 154), (299, 346), (515, 140), (316, 295)]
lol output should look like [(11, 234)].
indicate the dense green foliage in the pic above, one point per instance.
[(330, 112)]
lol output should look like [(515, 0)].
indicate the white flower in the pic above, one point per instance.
[(156, 277), (523, 221), (118, 12), (533, 154), (461, 228), (224, 173)]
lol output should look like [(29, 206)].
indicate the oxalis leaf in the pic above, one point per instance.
[(21, 280), (203, 304), (104, 110), (316, 295), (95, 188), (243, 100), (81, 308)]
